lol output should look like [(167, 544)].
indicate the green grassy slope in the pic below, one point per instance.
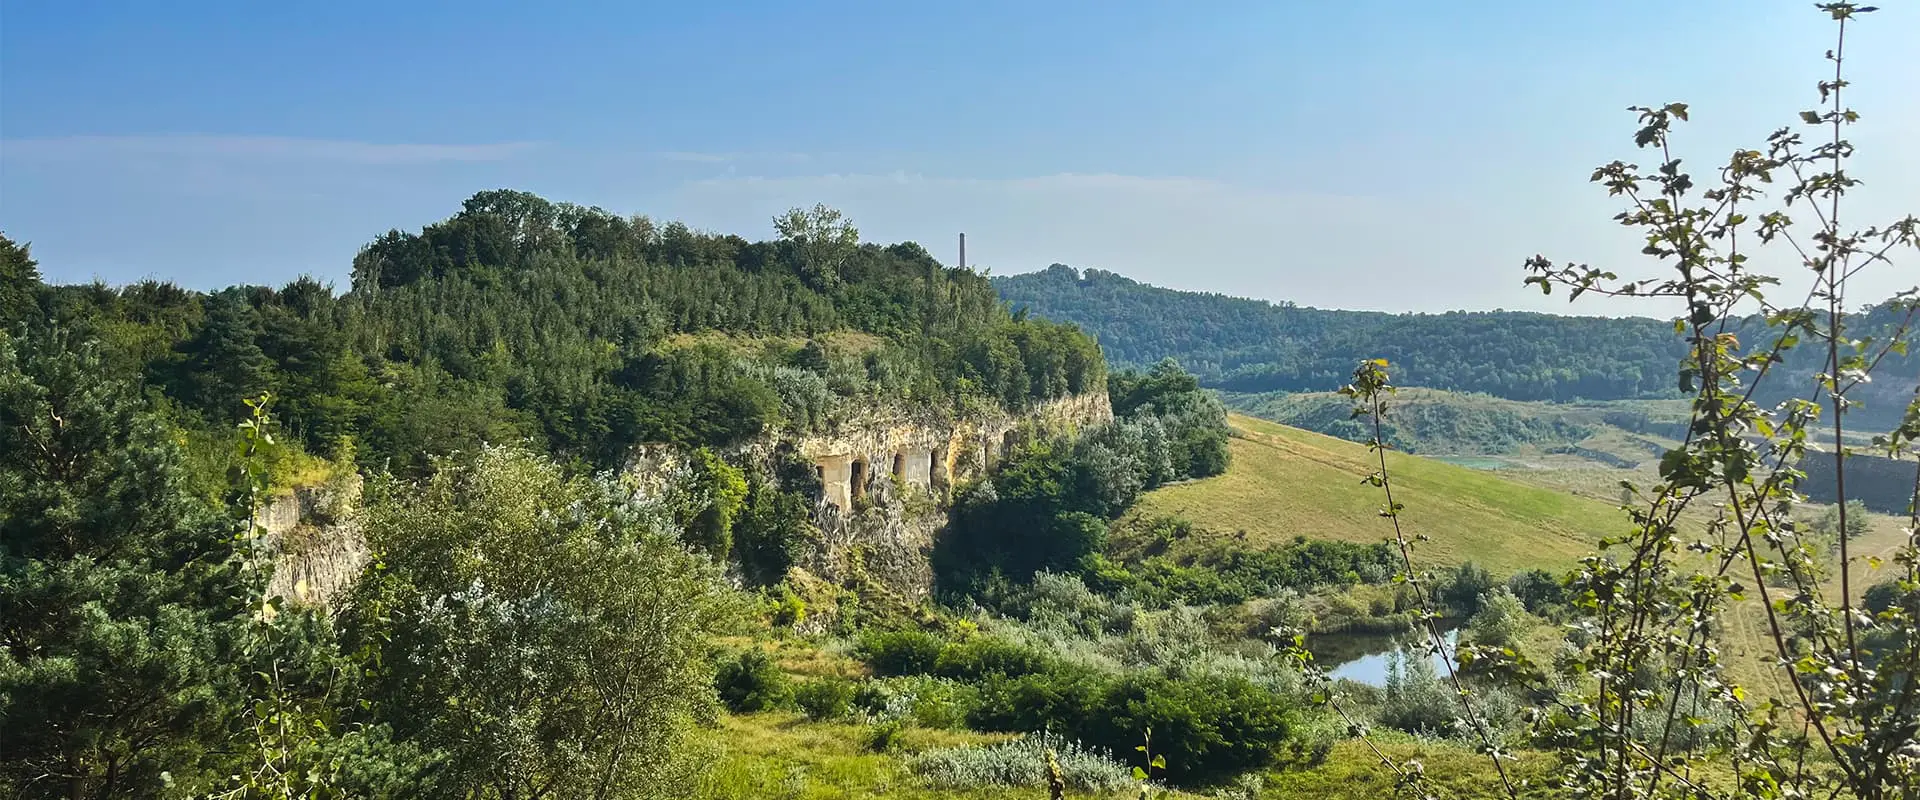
[(1432, 421), (1286, 482)]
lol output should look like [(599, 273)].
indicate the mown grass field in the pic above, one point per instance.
[(1286, 482)]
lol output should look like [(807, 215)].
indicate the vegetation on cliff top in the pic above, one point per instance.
[(522, 318)]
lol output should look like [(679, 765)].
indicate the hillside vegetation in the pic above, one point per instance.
[(1244, 345), (522, 318), (1253, 345), (1285, 482), (1432, 421)]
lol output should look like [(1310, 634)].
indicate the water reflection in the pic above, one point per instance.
[(1362, 657)]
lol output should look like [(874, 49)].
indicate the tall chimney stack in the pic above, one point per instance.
[(963, 251)]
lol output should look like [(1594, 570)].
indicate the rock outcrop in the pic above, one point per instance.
[(313, 536), (927, 453), (886, 477)]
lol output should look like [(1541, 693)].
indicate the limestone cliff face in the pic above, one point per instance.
[(929, 452), (314, 538), (887, 475)]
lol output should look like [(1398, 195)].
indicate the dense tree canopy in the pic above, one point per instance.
[(580, 330), (120, 601)]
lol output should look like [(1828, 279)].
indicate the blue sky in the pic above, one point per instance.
[(1401, 156)]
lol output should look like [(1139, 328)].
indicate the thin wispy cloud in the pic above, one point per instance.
[(275, 148), (696, 157)]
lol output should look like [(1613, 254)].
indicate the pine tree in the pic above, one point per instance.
[(226, 362), (119, 602), (18, 281)]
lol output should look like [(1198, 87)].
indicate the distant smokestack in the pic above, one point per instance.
[(963, 251)]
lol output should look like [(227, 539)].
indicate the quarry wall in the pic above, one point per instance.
[(886, 473)]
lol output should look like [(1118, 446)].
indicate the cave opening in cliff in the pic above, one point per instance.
[(940, 467)]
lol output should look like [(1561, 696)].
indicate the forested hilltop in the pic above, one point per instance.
[(581, 329), (1244, 345)]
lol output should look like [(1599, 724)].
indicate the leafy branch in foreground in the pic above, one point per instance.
[(1629, 705), (1369, 390), (1715, 541)]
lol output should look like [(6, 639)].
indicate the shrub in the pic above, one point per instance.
[(986, 657), (1538, 589), (1223, 573), (785, 609), (520, 607), (1345, 612), (1286, 610), (1062, 698), (1463, 589), (1163, 639), (1310, 742), (1501, 621), (921, 653), (772, 531), (1057, 602), (902, 652), (936, 703), (1414, 700), (1208, 728), (1021, 763), (826, 698), (1886, 595), (883, 736), (751, 682)]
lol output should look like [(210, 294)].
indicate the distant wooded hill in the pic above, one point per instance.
[(1253, 345), (1246, 345)]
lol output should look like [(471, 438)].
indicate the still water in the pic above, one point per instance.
[(1362, 657)]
